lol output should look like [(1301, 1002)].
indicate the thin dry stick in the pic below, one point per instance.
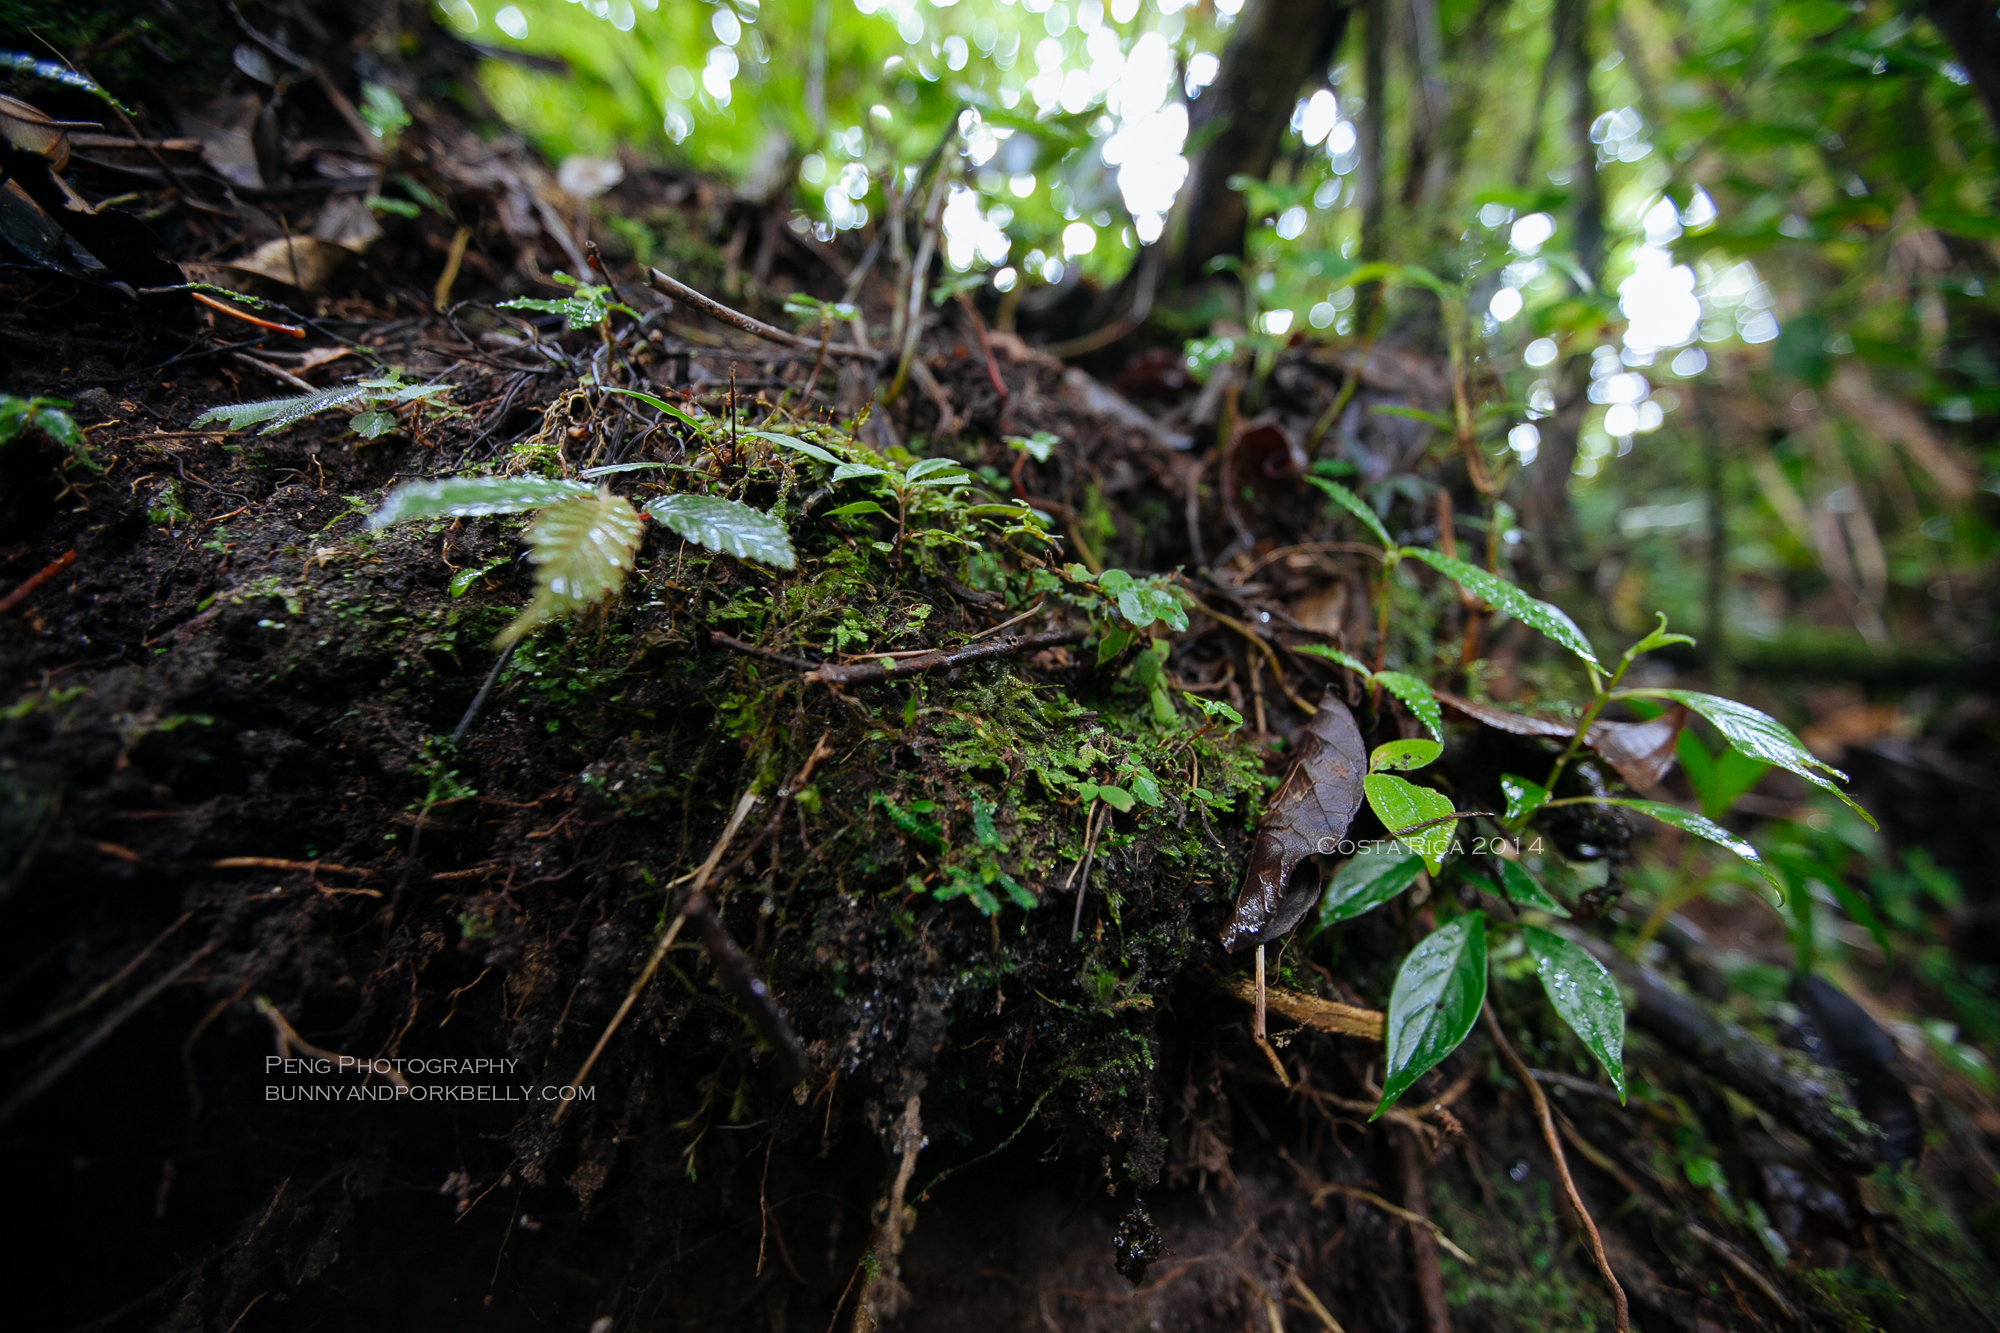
[(1374, 1200), (680, 291), (1257, 641), (36, 580), (1091, 828), (743, 808), (1621, 1312)]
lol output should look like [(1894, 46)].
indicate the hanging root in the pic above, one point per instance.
[(1620, 1310)]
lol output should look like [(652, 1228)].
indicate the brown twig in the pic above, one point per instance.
[(1342, 1020), (36, 580), (752, 650), (280, 863), (680, 291), (1257, 641), (841, 677), (1621, 1312)]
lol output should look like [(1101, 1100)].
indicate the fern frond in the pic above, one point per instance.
[(584, 549)]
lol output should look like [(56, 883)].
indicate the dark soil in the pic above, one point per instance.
[(233, 671)]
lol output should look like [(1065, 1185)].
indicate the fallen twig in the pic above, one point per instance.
[(289, 330), (1343, 1020), (680, 291), (943, 659), (1621, 1312), (36, 580), (280, 863)]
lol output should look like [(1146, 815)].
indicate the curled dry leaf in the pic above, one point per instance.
[(1310, 813), (1642, 752)]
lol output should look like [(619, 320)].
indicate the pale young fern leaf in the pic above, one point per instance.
[(583, 548)]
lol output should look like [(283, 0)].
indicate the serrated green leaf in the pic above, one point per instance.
[(583, 548), (858, 507), (373, 424), (461, 582), (805, 447), (1436, 999), (1689, 822), (726, 526), (1509, 597), (282, 412), (1348, 660), (1377, 872), (1416, 697), (1761, 736), (1523, 797), (1356, 506), (1522, 890), (1402, 756), (1404, 805), (662, 405), (960, 478), (1142, 604), (473, 497), (848, 471), (1584, 996)]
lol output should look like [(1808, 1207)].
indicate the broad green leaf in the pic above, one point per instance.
[(1403, 805), (1348, 660), (1041, 446), (959, 478), (1416, 697), (282, 412), (60, 427), (1522, 890), (858, 507), (1718, 779), (582, 311), (798, 446), (1657, 637), (372, 424), (1509, 597), (1142, 604), (1584, 997), (461, 582), (679, 414), (1689, 822), (847, 471), (726, 526), (474, 497), (1215, 710), (1372, 876), (1144, 785), (1113, 581), (1402, 756), (583, 549), (1356, 506), (1114, 643), (1523, 798), (1761, 736), (930, 467), (1439, 990), (1116, 797)]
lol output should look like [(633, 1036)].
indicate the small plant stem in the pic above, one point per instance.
[(479, 699), (1621, 1313), (1601, 694)]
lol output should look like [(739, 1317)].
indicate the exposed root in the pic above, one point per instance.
[(884, 1294), (1621, 1311), (289, 1041)]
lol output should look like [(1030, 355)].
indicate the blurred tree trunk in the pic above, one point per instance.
[(1277, 47), (1973, 29)]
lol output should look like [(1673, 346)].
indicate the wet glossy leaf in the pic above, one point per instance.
[(1377, 872), (848, 471), (1348, 660), (1718, 779), (1584, 997), (1310, 813), (1522, 890), (474, 497), (1436, 999), (1404, 805), (1689, 822), (726, 526), (278, 413), (583, 549), (372, 424), (1509, 597), (1215, 710), (931, 467), (1523, 797), (1416, 697), (1761, 736), (1142, 604), (461, 582), (1402, 756)]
